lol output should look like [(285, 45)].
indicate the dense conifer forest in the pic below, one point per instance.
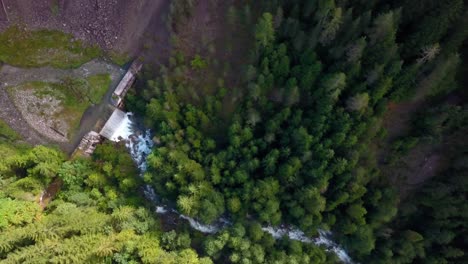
[(282, 115)]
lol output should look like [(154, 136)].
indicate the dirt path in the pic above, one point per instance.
[(11, 76), (422, 162)]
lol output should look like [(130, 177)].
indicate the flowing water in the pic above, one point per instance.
[(140, 146), (324, 239)]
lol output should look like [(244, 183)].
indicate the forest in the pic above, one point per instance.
[(282, 113)]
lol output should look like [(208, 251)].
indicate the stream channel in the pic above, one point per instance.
[(139, 143)]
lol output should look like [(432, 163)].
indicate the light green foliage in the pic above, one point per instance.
[(41, 163), (23, 48), (109, 182), (72, 229), (16, 212), (198, 63), (81, 234), (264, 30), (98, 86), (358, 102)]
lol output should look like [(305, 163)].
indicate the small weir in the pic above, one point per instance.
[(118, 126)]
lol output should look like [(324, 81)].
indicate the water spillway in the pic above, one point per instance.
[(118, 126)]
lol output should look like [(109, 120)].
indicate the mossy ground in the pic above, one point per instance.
[(24, 48), (6, 133), (119, 58), (9, 141)]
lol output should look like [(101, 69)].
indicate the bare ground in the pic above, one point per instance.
[(223, 43), (15, 120), (425, 160), (113, 24)]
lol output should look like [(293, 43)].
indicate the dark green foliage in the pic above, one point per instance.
[(432, 224), (297, 147), (432, 25)]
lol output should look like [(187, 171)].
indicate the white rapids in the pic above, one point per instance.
[(124, 130), (207, 229), (140, 147), (299, 235)]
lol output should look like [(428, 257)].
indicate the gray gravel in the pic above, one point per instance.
[(113, 24)]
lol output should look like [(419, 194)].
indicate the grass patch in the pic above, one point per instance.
[(99, 85), (90, 90), (119, 58), (24, 48), (9, 141), (7, 133)]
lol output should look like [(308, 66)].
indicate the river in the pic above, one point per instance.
[(139, 143)]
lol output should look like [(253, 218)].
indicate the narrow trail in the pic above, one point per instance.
[(11, 75), (49, 193)]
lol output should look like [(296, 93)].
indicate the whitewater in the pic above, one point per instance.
[(140, 146)]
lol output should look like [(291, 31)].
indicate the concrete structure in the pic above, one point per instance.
[(89, 142), (113, 124), (125, 84), (117, 124)]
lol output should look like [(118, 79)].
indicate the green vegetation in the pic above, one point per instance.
[(97, 86), (298, 147), (95, 219), (23, 48), (119, 58), (67, 100), (6, 133), (293, 133)]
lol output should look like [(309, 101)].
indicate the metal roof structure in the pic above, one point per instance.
[(125, 84)]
